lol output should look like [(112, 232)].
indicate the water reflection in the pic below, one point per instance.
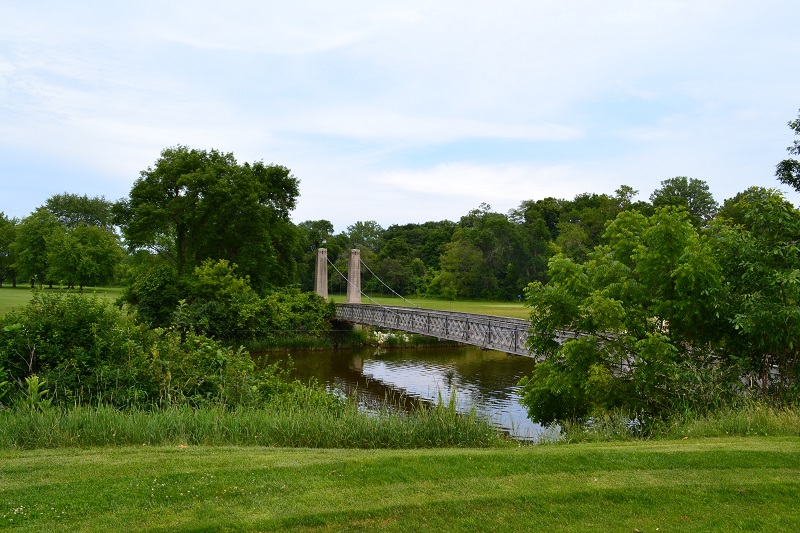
[(482, 379)]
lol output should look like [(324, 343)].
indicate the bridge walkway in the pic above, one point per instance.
[(508, 335)]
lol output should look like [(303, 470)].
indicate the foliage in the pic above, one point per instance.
[(788, 170), (478, 261), (35, 397), (759, 254), (689, 193), (641, 320), (195, 204), (83, 255), (88, 351), (222, 305), (30, 245), (399, 268), (73, 210), (8, 231), (364, 235), (154, 293), (74, 342)]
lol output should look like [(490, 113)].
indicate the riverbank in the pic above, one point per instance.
[(686, 485)]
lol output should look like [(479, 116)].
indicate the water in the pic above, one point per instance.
[(485, 380)]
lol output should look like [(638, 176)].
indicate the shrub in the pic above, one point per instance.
[(88, 351), (74, 342)]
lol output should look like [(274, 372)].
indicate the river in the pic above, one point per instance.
[(485, 380)]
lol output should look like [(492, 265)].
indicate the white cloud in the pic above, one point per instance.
[(374, 123), (493, 184), (545, 98)]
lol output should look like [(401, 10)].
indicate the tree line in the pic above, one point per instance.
[(675, 309), (194, 205), (675, 301)]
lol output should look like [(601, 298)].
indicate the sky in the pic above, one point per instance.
[(400, 112)]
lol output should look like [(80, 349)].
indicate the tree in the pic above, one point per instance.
[(479, 260), (397, 266), (760, 257), (83, 255), (788, 170), (314, 234), (427, 240), (691, 194), (644, 315), (365, 235), (73, 210), (8, 234), (194, 205), (30, 246)]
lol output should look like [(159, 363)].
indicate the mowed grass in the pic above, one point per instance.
[(11, 298), (506, 309), (750, 484)]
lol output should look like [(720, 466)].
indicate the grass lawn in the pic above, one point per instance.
[(11, 298), (687, 485), (507, 309)]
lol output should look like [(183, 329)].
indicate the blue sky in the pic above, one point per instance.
[(400, 111)]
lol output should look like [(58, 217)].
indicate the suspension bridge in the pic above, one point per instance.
[(508, 335)]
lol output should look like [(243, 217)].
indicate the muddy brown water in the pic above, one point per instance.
[(485, 380)]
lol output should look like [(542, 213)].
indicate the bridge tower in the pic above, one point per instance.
[(321, 279), (354, 277)]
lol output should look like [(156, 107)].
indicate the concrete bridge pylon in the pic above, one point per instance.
[(353, 275), (321, 278)]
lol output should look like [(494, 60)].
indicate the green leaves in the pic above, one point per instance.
[(639, 307), (788, 170), (195, 205)]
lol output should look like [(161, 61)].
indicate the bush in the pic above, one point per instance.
[(74, 342), (154, 294), (88, 351), (219, 304)]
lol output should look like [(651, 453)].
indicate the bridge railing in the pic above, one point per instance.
[(508, 335)]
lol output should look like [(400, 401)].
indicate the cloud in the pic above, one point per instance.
[(438, 105), (375, 123), (499, 184)]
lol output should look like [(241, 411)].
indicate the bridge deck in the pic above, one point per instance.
[(490, 332)]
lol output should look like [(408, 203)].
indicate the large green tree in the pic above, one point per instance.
[(194, 205), (479, 260), (314, 234), (638, 322), (758, 243), (691, 194), (73, 210), (30, 246), (8, 234), (788, 170), (83, 255)]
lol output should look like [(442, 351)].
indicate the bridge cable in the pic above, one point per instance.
[(385, 285), (351, 283)]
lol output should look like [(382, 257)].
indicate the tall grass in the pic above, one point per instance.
[(745, 419), (752, 418), (287, 423)]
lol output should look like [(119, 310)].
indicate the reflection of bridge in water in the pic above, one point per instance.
[(508, 335)]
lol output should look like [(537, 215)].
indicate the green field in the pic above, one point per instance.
[(11, 298), (750, 484), (507, 309)]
